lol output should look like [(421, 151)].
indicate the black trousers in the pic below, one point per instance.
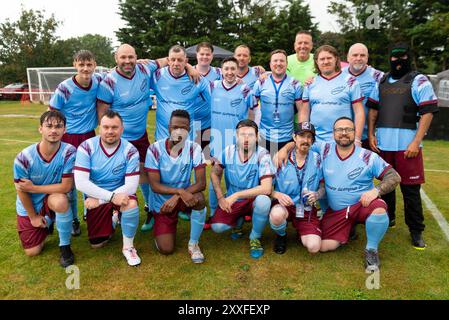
[(413, 211)]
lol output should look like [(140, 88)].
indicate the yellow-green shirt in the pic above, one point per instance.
[(299, 70)]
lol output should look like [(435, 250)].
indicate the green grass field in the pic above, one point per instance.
[(229, 272)]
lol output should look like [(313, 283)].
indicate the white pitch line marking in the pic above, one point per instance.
[(21, 141), (19, 116), (436, 214), (434, 170)]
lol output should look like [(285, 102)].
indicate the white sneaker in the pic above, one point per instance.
[(131, 256), (195, 253)]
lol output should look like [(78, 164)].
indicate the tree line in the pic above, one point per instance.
[(152, 26)]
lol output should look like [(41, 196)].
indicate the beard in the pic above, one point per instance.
[(345, 141)]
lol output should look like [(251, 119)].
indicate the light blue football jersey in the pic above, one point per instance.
[(229, 106), (277, 107), (78, 104), (202, 108), (29, 164), (347, 179), (174, 172), (107, 171), (251, 76), (291, 179), (176, 93), (130, 97), (330, 99), (245, 175)]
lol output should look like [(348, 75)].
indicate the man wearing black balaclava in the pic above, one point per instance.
[(401, 110)]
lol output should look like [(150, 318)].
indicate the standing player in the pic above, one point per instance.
[(248, 175), (279, 96), (204, 56), (332, 95), (348, 172), (169, 164), (301, 64), (366, 76), (107, 172), (231, 102), (76, 98), (299, 179), (174, 90), (400, 132), (43, 175), (248, 74), (126, 90)]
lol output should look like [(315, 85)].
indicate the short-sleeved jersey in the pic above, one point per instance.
[(202, 107), (176, 93), (367, 80), (245, 175), (107, 171), (174, 172), (330, 99), (130, 97), (78, 104), (396, 139), (29, 164), (347, 179), (251, 76), (299, 70), (229, 106), (291, 179), (277, 97)]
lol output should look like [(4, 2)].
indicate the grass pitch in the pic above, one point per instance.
[(229, 272)]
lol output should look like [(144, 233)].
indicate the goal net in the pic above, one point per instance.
[(42, 82)]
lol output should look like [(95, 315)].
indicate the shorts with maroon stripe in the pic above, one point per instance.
[(336, 225), (309, 225), (238, 209), (76, 139), (166, 223), (411, 170), (30, 236), (99, 220), (141, 145)]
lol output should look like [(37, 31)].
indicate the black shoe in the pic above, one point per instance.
[(76, 230), (146, 209), (67, 257), (280, 244), (417, 241), (372, 262), (392, 223), (353, 234)]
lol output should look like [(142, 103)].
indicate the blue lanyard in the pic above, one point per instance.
[(277, 90), (300, 178)]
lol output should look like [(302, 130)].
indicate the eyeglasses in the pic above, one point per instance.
[(345, 130)]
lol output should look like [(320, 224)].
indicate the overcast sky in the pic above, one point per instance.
[(101, 16)]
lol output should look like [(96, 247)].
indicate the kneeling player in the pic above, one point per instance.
[(43, 176), (107, 172), (169, 163), (248, 175), (349, 171), (295, 181)]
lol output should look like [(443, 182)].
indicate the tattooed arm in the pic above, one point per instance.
[(389, 182)]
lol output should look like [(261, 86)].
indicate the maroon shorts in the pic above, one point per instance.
[(99, 220), (336, 225), (308, 225), (31, 236), (166, 223), (76, 139), (411, 170), (239, 209), (142, 145)]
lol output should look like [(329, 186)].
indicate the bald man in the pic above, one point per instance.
[(126, 90), (366, 75)]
